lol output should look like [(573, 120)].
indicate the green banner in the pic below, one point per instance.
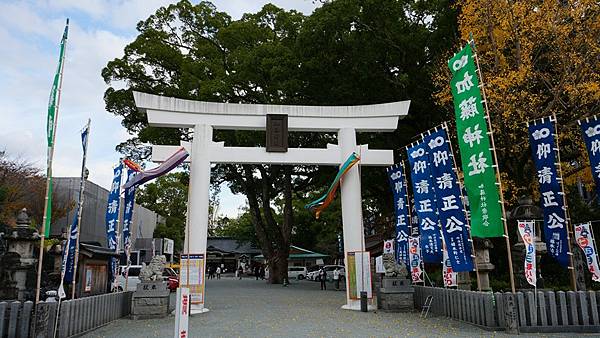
[(51, 125), (53, 100), (474, 144)]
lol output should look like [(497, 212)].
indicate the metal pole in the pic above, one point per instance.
[(79, 210), (467, 216), (49, 178), (568, 218), (498, 177)]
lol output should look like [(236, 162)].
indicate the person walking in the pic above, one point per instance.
[(336, 278), (240, 271), (257, 272), (218, 272), (323, 278)]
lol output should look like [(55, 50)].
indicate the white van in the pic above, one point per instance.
[(298, 272)]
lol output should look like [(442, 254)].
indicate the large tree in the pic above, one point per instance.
[(347, 52)]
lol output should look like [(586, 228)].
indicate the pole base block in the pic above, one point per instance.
[(197, 309), (355, 306)]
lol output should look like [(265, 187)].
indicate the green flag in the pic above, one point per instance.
[(50, 125), (474, 144)]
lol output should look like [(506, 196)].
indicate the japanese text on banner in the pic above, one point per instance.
[(425, 204), (112, 217), (585, 240), (541, 138), (527, 232), (474, 145), (416, 263), (398, 186), (450, 207), (591, 136), (448, 274)]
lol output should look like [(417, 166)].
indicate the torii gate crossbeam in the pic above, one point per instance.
[(203, 117)]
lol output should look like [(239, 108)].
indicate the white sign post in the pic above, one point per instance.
[(182, 313)]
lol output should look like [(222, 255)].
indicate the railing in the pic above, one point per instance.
[(76, 316), (546, 311)]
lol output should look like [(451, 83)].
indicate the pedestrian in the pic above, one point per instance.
[(323, 278), (257, 272), (262, 272), (240, 271), (218, 272), (336, 278), (210, 272)]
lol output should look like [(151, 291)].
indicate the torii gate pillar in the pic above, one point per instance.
[(206, 116)]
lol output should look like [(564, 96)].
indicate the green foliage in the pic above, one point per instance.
[(347, 52)]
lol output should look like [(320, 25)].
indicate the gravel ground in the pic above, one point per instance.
[(250, 308)]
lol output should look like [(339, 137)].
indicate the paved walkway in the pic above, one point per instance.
[(250, 308)]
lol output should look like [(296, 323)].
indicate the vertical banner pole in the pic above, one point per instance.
[(462, 196), (407, 200), (79, 210), (498, 176), (568, 218), (48, 204)]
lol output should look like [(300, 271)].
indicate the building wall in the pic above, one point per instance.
[(93, 227)]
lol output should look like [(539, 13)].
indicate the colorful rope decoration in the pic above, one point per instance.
[(322, 203)]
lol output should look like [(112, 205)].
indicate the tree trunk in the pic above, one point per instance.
[(278, 265)]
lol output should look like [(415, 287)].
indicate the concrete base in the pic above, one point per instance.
[(356, 307), (150, 301), (396, 295), (197, 309)]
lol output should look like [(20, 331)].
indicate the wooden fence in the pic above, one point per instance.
[(546, 311), (76, 316)]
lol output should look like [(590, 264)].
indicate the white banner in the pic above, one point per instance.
[(182, 313), (388, 246), (416, 265), (448, 274), (585, 239), (379, 268), (527, 231)]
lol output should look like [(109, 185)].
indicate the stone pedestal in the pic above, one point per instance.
[(482, 258), (396, 295), (150, 300)]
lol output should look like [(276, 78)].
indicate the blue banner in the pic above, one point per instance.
[(128, 215), (543, 148), (69, 254), (68, 263), (398, 186), (112, 217), (425, 204), (591, 137), (450, 206)]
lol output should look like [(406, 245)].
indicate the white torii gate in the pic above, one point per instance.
[(206, 116)]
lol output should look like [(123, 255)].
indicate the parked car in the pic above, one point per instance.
[(312, 271), (172, 279), (133, 277), (314, 275), (298, 272)]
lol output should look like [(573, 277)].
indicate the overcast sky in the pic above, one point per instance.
[(30, 33)]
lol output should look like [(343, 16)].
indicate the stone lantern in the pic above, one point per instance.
[(21, 242)]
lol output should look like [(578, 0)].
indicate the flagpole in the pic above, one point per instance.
[(49, 171), (467, 216), (80, 208), (568, 218), (499, 178), (115, 287)]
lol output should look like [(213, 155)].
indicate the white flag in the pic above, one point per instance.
[(527, 231)]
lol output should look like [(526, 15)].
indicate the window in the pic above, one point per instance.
[(134, 272)]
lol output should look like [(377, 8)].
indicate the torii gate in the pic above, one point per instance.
[(203, 117)]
